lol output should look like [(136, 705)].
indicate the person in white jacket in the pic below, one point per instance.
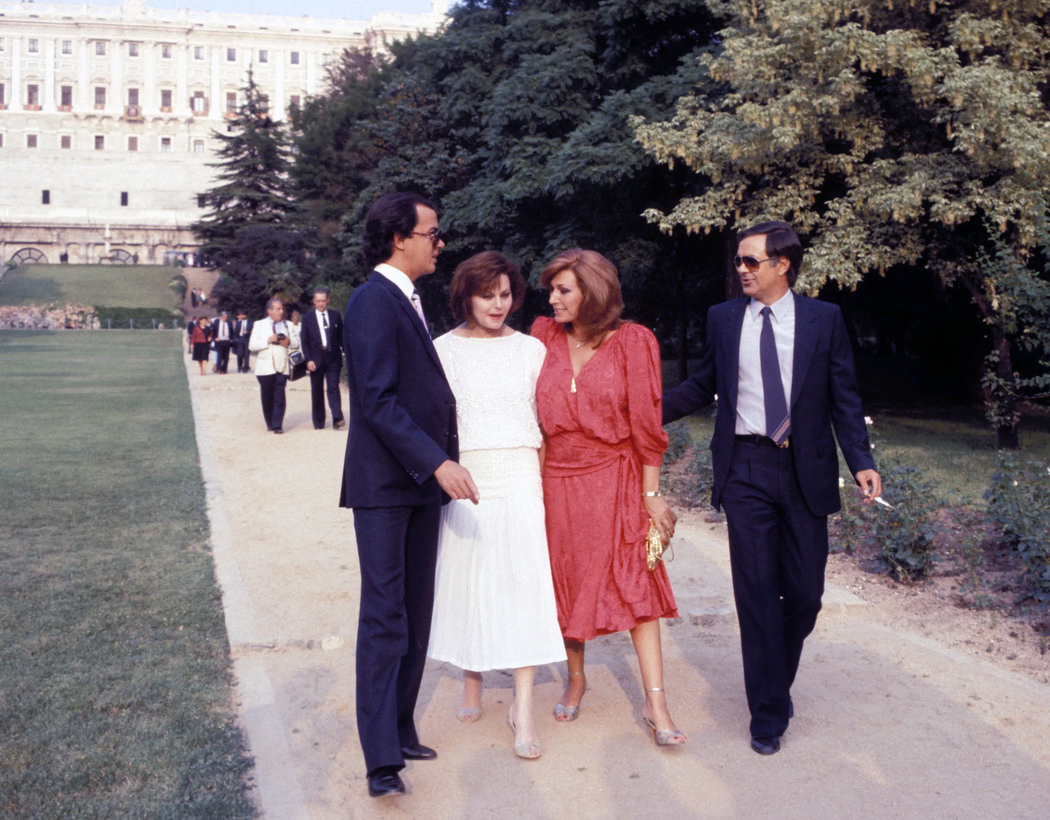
[(271, 342)]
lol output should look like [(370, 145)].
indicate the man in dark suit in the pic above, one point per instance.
[(322, 342), (400, 466), (782, 369), (242, 331), (222, 333)]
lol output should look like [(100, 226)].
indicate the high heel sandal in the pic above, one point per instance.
[(530, 749), (663, 737), (469, 714), (564, 714)]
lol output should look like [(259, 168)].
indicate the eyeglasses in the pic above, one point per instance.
[(752, 263), (434, 236)]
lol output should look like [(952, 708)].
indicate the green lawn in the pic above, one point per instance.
[(127, 286), (114, 669)]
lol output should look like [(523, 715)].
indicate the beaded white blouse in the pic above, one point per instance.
[(494, 382)]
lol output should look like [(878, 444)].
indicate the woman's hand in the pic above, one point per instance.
[(663, 516)]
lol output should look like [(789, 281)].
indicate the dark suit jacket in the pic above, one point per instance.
[(310, 337), (215, 329), (402, 411), (237, 330), (824, 391)]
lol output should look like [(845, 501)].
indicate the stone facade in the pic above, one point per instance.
[(107, 114)]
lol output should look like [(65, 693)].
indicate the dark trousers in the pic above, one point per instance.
[(240, 347), (222, 358), (778, 551), (328, 369), (271, 390), (397, 549)]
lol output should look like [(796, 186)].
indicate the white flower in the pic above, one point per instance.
[(842, 482), (1015, 482), (868, 421), (872, 446)]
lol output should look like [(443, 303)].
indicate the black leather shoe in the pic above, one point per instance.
[(791, 708), (278, 430), (766, 745), (385, 781), (338, 424), (418, 752)]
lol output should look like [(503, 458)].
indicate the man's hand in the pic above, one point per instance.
[(456, 481), (311, 367), (870, 484)]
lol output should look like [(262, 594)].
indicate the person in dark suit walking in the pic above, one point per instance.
[(242, 332), (782, 369), (401, 465), (222, 334), (322, 343)]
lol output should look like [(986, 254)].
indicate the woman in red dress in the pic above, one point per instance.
[(598, 397)]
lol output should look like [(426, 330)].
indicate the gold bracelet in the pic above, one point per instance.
[(654, 494)]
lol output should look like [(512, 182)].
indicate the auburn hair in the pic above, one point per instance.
[(599, 283), (477, 276)]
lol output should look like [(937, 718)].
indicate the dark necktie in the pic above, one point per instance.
[(778, 422)]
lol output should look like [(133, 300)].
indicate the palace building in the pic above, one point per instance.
[(107, 115)]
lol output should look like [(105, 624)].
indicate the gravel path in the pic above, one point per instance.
[(890, 724)]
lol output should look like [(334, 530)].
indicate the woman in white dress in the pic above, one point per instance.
[(494, 602)]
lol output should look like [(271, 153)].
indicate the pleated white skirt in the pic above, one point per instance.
[(494, 602)]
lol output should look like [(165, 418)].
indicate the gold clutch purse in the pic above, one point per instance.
[(654, 547)]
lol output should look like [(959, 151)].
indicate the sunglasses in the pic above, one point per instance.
[(434, 236), (752, 263)]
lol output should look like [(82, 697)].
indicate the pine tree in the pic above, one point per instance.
[(252, 220)]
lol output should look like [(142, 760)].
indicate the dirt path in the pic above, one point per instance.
[(890, 723)]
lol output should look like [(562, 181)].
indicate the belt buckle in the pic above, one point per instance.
[(784, 445)]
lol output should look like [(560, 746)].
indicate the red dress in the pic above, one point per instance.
[(598, 438)]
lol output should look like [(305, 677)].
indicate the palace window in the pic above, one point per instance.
[(66, 141), (2, 45), (30, 140), (231, 55), (295, 99), (326, 59), (165, 145), (198, 146), (67, 46), (100, 96), (124, 199), (264, 55), (133, 97), (133, 49), (199, 102), (202, 200), (165, 51), (32, 95), (100, 48), (66, 95), (100, 142), (198, 52), (3, 99), (294, 57), (133, 143), (45, 197), (33, 46), (165, 99), (231, 102)]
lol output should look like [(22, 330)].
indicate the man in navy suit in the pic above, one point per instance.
[(222, 333), (242, 332), (322, 342), (782, 369), (400, 467)]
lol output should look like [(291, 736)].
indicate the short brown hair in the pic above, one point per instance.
[(598, 280), (477, 276)]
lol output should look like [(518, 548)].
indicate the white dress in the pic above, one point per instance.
[(494, 602)]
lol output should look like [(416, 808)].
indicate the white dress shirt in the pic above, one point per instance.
[(322, 318), (404, 284), (750, 397)]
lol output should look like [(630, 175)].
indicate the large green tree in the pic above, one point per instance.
[(893, 135), (515, 119), (252, 220)]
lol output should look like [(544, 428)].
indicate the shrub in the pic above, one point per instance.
[(678, 442), (1019, 507), (905, 530)]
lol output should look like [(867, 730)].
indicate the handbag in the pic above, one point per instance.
[(654, 547), (297, 365)]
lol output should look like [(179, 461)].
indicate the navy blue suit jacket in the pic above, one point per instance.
[(310, 337), (402, 411), (824, 392)]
